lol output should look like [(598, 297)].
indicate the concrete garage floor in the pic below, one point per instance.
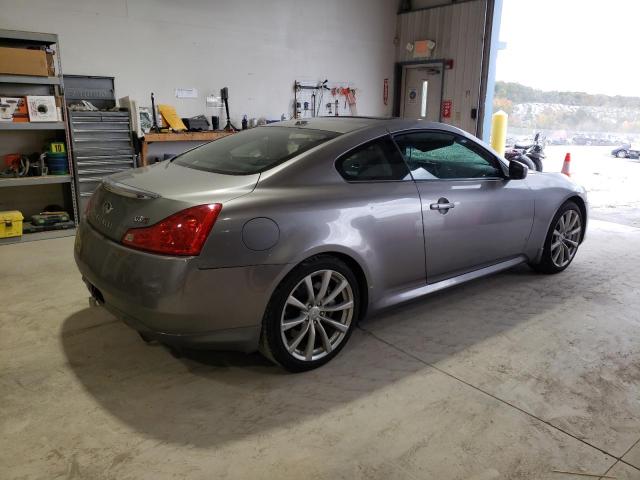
[(508, 377)]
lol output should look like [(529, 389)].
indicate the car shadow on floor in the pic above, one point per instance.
[(209, 398)]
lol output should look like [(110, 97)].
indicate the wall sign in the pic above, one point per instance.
[(447, 106), (413, 95), (423, 48), (186, 93)]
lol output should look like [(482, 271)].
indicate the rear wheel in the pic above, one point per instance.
[(563, 239), (526, 161), (311, 314), (537, 163)]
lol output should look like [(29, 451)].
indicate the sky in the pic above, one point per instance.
[(588, 46)]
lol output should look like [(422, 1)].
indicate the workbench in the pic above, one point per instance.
[(205, 136)]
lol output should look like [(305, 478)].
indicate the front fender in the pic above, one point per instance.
[(551, 191)]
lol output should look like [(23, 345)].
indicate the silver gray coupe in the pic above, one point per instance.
[(280, 238)]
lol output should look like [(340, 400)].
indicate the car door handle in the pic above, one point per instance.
[(441, 206)]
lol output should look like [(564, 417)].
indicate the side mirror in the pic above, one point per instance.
[(537, 137), (517, 171)]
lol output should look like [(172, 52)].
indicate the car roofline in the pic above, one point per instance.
[(346, 124)]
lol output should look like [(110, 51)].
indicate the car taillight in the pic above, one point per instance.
[(183, 233)]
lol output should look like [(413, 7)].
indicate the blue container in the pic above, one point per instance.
[(58, 164)]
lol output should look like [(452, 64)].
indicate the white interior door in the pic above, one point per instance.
[(422, 92)]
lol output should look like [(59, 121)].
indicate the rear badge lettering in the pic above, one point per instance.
[(103, 222), (140, 219)]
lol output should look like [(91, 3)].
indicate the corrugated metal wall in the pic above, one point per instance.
[(458, 31)]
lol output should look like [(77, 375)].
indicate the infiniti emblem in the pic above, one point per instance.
[(107, 207)]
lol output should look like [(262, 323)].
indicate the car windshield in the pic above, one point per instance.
[(253, 151)]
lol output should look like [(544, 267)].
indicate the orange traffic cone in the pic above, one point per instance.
[(566, 164)]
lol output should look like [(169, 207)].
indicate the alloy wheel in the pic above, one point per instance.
[(565, 238), (317, 315)]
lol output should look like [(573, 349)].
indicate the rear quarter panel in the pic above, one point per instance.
[(316, 211)]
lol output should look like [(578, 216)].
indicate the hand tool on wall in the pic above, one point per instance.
[(224, 94), (313, 103), (154, 128)]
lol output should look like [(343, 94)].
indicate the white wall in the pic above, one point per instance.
[(255, 47)]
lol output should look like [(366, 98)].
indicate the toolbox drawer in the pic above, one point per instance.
[(102, 145)]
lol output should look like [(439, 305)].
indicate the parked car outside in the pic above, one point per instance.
[(625, 151)]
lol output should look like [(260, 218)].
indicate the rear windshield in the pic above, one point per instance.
[(253, 151)]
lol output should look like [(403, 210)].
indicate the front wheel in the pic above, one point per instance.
[(311, 314), (621, 154), (563, 239)]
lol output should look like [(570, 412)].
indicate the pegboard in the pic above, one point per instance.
[(324, 98)]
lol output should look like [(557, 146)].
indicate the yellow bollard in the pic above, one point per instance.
[(499, 122)]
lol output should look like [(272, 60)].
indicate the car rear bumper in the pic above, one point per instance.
[(171, 299)]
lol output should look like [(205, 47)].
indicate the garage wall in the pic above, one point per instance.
[(257, 48), (458, 31)]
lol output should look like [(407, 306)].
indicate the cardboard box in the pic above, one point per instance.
[(51, 60), (20, 110), (42, 108), (10, 107), (22, 61)]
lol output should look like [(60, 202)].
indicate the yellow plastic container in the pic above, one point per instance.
[(11, 223)]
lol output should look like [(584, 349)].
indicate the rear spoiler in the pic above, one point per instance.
[(128, 191)]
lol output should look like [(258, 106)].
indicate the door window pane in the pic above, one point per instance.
[(425, 91), (441, 155), (377, 160)]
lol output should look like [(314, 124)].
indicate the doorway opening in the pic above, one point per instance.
[(421, 91)]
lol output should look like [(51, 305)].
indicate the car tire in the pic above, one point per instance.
[(537, 163), (523, 159), (621, 154), (301, 333), (562, 240)]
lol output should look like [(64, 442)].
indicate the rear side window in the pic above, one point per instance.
[(441, 155), (253, 151), (374, 161)]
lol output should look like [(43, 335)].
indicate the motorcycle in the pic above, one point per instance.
[(531, 154)]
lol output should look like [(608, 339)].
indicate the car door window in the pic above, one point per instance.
[(442, 155), (378, 160)]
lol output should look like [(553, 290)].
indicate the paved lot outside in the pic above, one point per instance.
[(613, 183)]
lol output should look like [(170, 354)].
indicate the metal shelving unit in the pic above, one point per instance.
[(30, 237), (28, 181), (36, 38), (22, 193), (31, 125), (29, 79)]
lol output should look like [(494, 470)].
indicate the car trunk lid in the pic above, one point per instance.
[(144, 196)]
